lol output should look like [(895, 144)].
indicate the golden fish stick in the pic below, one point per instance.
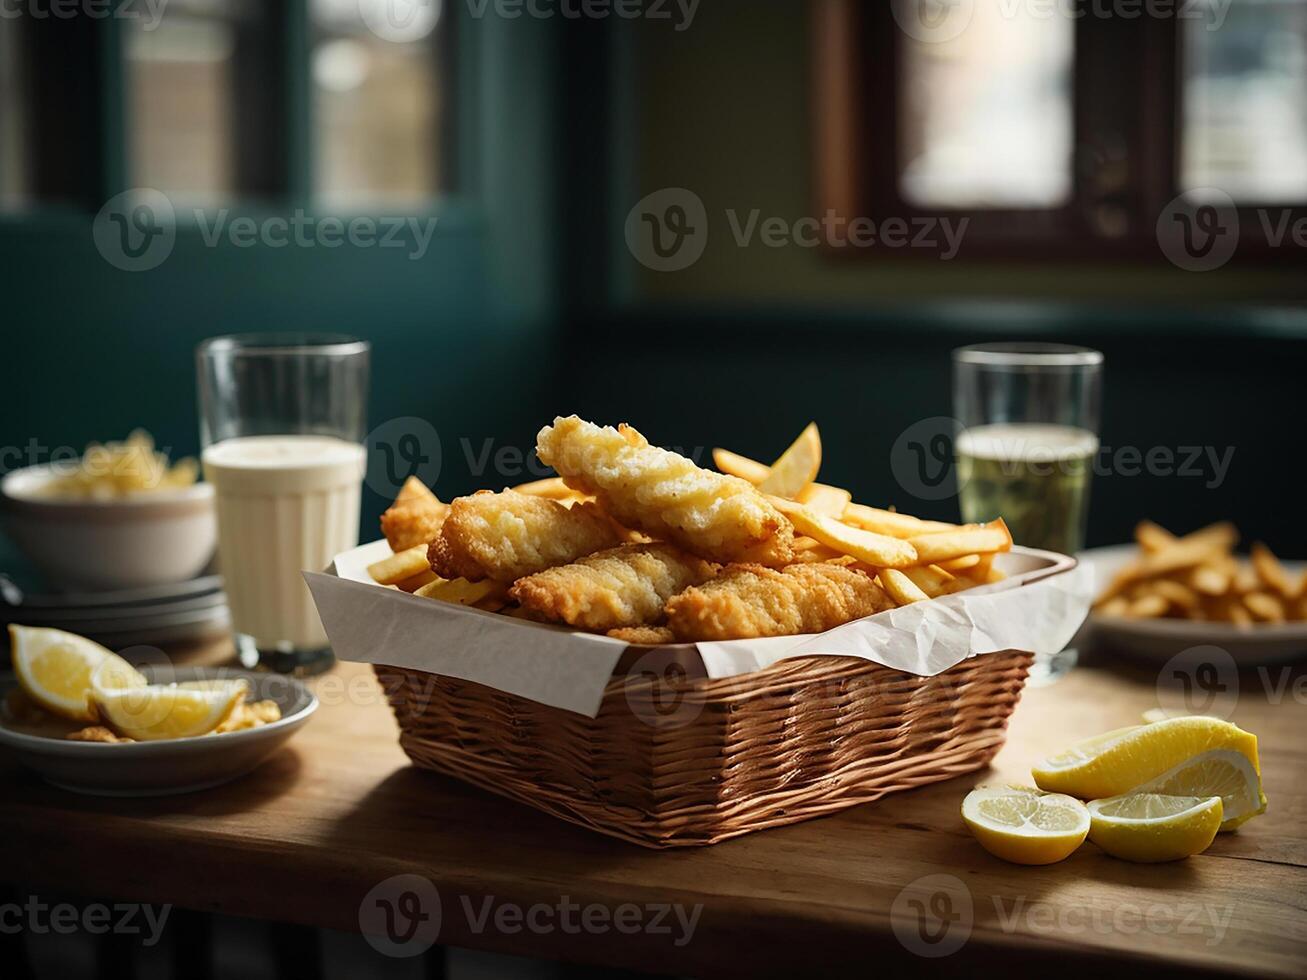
[(504, 536), (625, 586), (715, 516), (748, 601)]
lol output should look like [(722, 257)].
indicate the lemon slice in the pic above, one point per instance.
[(1122, 761), (160, 711), (57, 670), (1025, 826), (1149, 827), (1222, 773)]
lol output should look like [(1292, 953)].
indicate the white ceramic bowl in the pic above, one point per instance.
[(124, 543), (178, 765)]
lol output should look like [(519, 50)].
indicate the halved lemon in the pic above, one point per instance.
[(1023, 825), (1123, 761), (58, 670), (1151, 827), (159, 711)]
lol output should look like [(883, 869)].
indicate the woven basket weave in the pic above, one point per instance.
[(674, 760)]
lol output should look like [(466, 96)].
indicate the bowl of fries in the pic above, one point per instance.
[(1169, 592), (119, 517)]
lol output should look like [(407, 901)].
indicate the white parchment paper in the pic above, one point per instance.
[(1037, 609)]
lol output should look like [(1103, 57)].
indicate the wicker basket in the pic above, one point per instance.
[(677, 760)]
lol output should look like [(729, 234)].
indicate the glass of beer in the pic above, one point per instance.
[(283, 418), (1029, 416)]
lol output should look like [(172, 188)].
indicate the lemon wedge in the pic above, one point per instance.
[(58, 670), (1224, 773), (1127, 760), (159, 711), (1149, 827), (1025, 826)]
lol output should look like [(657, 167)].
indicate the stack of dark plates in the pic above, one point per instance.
[(191, 611)]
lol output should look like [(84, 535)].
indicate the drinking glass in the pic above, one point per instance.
[(283, 418), (1029, 415)]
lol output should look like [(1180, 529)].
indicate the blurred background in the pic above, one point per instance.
[(643, 211)]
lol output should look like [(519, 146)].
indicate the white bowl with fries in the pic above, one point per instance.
[(1168, 593), (159, 537)]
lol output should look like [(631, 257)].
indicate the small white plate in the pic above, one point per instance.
[(179, 765), (1158, 640)]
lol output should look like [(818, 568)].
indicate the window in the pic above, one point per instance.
[(1063, 129), (180, 106), (1245, 99), (13, 121), (377, 101)]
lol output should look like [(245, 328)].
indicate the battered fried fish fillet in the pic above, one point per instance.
[(721, 518), (748, 601), (414, 518), (643, 636), (624, 586), (504, 536)]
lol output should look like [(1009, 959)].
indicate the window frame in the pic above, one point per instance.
[(1126, 105)]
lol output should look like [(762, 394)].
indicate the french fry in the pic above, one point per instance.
[(1153, 537), (931, 579), (797, 466), (877, 550), (733, 464), (978, 539), (1210, 580), (415, 582), (400, 566), (1148, 606), (900, 588), (1116, 606), (891, 523), (1176, 594), (461, 591), (824, 499), (552, 487), (1271, 572), (960, 564), (1265, 607), (810, 549)]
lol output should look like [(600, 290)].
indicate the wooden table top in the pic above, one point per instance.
[(307, 836)]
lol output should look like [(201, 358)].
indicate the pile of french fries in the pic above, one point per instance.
[(1198, 577), (913, 559)]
